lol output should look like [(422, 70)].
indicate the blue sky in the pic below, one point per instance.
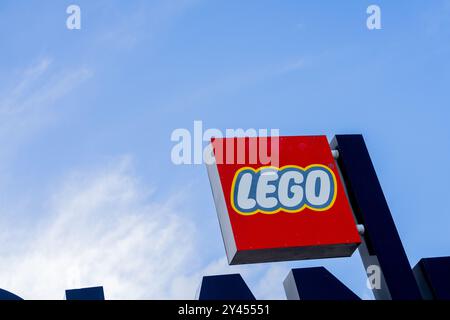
[(88, 192)]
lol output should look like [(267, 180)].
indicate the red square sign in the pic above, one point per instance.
[(291, 208)]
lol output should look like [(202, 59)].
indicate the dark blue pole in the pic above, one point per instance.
[(382, 241)]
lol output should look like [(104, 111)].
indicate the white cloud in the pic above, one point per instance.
[(270, 283), (101, 229)]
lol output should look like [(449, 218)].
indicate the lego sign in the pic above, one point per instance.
[(296, 209), (291, 188)]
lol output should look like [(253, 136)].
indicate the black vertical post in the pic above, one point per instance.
[(382, 241)]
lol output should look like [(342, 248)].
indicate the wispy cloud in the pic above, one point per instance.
[(437, 19), (26, 104), (35, 90), (145, 23), (101, 228), (230, 83)]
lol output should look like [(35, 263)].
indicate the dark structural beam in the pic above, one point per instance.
[(95, 293), (224, 287), (382, 241), (8, 296), (433, 277), (316, 284)]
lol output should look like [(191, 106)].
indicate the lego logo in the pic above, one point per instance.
[(270, 190)]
